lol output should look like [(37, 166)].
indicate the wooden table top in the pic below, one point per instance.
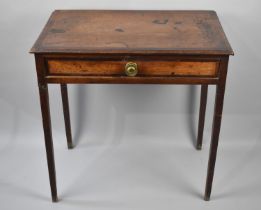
[(133, 32)]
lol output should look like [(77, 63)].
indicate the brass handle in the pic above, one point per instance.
[(131, 69)]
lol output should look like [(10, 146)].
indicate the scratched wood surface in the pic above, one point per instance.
[(137, 32)]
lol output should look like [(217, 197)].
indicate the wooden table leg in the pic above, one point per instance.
[(202, 111), (44, 100), (219, 100), (66, 114)]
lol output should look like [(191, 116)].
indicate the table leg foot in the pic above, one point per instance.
[(206, 198), (55, 199), (199, 147), (70, 145)]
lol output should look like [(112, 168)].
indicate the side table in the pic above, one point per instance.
[(132, 47)]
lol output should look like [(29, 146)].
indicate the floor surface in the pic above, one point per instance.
[(142, 163)]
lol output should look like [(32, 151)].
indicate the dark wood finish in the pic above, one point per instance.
[(66, 114), (220, 91), (202, 111), (47, 127), (169, 47), (146, 32)]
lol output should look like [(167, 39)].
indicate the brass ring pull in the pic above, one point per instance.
[(131, 69)]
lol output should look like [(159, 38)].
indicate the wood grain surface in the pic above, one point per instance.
[(142, 32), (145, 68)]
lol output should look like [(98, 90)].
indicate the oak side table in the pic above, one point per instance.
[(132, 47)]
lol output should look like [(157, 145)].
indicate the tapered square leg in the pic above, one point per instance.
[(44, 100), (66, 114), (202, 111), (219, 100)]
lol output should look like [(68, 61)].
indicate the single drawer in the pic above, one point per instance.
[(135, 68)]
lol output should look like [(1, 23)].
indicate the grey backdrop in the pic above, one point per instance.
[(107, 114)]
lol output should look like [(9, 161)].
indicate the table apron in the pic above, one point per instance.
[(130, 80)]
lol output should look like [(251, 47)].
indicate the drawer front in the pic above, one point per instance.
[(144, 68)]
